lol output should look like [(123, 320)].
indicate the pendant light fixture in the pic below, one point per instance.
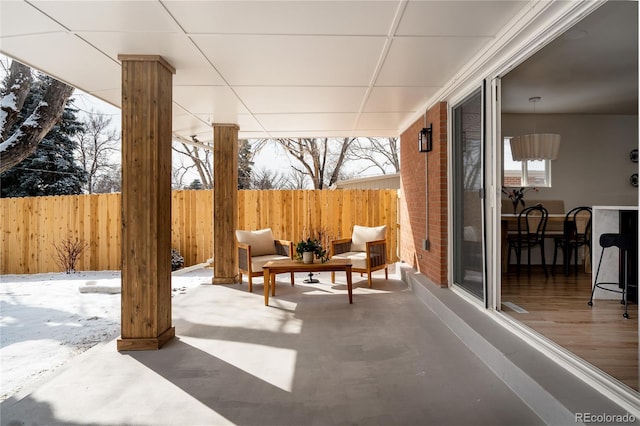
[(535, 146)]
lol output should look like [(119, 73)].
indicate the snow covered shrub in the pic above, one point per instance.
[(177, 261)]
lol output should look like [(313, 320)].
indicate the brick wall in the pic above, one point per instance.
[(413, 205), (512, 181)]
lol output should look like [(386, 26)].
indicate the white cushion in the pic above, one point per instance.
[(257, 262), (261, 241), (363, 234), (358, 258)]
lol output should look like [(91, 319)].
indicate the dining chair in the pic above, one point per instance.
[(576, 234), (532, 222)]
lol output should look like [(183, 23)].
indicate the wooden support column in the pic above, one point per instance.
[(146, 203), (225, 202)]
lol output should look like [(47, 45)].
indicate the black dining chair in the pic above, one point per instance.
[(532, 222), (576, 234)]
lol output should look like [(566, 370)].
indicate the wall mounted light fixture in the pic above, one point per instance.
[(424, 139)]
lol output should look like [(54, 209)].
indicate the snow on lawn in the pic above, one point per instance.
[(45, 320)]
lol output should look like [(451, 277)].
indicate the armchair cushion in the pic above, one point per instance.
[(363, 234), (257, 262), (358, 258), (261, 241)]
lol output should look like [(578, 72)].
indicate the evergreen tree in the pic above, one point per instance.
[(195, 184), (244, 164), (52, 168)]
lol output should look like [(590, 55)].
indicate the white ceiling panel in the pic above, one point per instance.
[(380, 120), (32, 21), (75, 62), (252, 135), (284, 17), (248, 123), (315, 68), (187, 124), (110, 96), (107, 15), (457, 18), (191, 67), (313, 134), (260, 99), (377, 133), (203, 133), (427, 61), (214, 100), (308, 122), (398, 99), (247, 60)]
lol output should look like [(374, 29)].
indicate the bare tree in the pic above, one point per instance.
[(317, 157), (178, 171), (110, 181), (202, 160), (381, 153), (296, 180), (18, 144), (97, 143), (268, 179)]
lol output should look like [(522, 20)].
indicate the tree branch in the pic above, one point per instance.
[(25, 140), (12, 101), (346, 144)]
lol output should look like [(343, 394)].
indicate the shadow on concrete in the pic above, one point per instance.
[(382, 360), (308, 358), (40, 413)]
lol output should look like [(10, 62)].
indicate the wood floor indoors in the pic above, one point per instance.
[(556, 307)]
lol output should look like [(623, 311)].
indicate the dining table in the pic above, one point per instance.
[(555, 228)]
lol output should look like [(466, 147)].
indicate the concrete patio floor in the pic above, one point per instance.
[(309, 358)]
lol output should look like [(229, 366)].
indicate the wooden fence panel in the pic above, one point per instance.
[(30, 226)]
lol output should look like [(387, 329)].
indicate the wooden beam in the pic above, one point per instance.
[(225, 202), (146, 203)]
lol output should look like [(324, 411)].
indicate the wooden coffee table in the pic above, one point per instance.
[(274, 267)]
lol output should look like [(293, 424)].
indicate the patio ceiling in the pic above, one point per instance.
[(276, 68)]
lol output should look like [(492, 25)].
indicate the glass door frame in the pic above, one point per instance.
[(481, 87), (491, 74)]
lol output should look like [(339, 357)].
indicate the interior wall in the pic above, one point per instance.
[(593, 166)]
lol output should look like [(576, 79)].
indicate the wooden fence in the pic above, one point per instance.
[(31, 226)]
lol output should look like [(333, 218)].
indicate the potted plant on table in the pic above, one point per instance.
[(516, 195), (307, 250)]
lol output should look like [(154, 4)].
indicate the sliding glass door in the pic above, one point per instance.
[(468, 196)]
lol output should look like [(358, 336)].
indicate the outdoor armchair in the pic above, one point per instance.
[(255, 248), (367, 250)]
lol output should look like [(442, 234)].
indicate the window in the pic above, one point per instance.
[(524, 173)]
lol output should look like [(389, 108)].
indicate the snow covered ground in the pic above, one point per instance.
[(45, 320)]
